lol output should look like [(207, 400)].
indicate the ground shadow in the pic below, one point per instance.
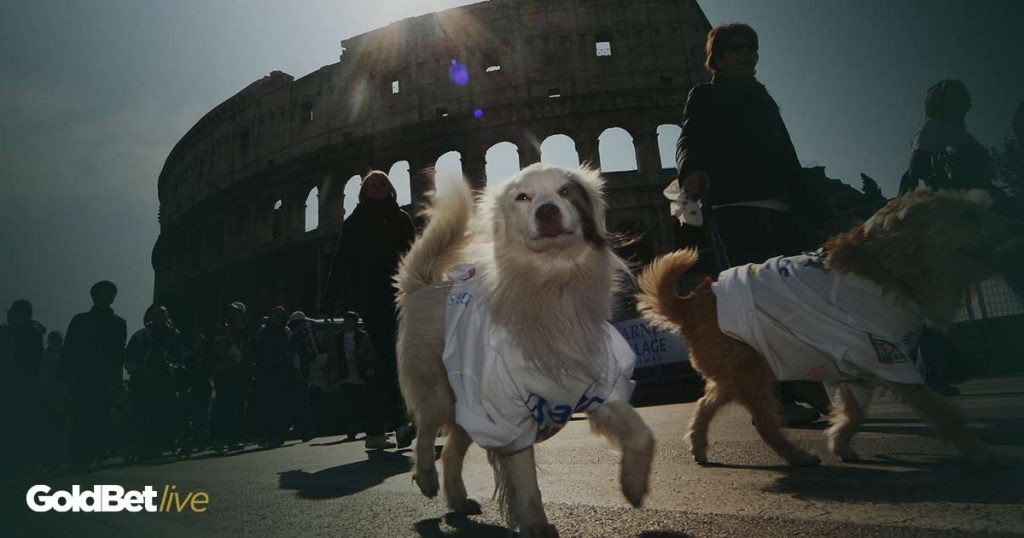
[(662, 534), (937, 480), (346, 479), (460, 526)]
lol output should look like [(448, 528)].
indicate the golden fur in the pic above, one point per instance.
[(924, 247), (550, 285)]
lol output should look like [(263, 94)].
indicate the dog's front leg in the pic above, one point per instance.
[(848, 413), (519, 495), (947, 420), (624, 428)]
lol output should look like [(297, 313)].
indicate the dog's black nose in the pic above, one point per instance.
[(548, 213)]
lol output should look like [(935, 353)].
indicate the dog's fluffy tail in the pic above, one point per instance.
[(442, 242), (658, 300)]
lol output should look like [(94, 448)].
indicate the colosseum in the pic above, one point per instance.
[(503, 73)]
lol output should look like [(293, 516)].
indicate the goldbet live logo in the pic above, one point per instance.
[(114, 498)]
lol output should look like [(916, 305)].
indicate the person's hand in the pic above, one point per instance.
[(696, 182)]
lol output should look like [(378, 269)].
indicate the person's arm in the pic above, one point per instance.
[(135, 352), (693, 147), (367, 356)]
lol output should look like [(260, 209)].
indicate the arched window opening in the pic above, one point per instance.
[(618, 154), (502, 162), (399, 175), (447, 169), (668, 135), (312, 210), (351, 193), (560, 150)]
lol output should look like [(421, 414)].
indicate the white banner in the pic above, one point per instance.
[(653, 345)]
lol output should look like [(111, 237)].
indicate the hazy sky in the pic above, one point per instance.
[(94, 95)]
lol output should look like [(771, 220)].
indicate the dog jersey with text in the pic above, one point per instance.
[(811, 323), (504, 401)]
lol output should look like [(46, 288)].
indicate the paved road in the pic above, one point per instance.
[(909, 485)]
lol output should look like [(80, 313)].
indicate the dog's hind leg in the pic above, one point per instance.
[(761, 403), (621, 424), (947, 420), (707, 406), (519, 495), (846, 417), (451, 459)]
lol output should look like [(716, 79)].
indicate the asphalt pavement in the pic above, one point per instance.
[(909, 484)]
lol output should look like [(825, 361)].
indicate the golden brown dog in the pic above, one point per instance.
[(921, 250)]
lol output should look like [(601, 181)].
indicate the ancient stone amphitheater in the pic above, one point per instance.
[(502, 74)]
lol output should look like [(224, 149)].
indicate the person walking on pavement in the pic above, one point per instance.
[(151, 354), (231, 370), (91, 366), (735, 152)]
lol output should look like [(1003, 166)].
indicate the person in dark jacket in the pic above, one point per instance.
[(21, 352), (91, 365), (372, 243), (944, 155), (150, 357), (352, 368), (274, 350), (735, 153), (231, 370)]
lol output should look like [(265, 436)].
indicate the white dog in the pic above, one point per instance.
[(503, 349)]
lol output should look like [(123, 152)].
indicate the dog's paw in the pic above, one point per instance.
[(700, 456), (465, 507), (544, 530), (805, 459), (428, 482), (846, 454)]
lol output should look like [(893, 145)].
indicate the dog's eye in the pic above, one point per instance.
[(522, 197), (564, 191)]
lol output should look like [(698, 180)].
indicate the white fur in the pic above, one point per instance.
[(552, 293)]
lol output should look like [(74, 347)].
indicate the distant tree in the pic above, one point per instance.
[(870, 188)]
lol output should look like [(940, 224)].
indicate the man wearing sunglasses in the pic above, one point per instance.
[(734, 153)]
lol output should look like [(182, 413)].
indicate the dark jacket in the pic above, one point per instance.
[(274, 348), (21, 349), (229, 354), (337, 361), (732, 130), (153, 347), (372, 243), (94, 350)]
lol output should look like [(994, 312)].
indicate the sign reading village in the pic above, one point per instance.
[(653, 345)]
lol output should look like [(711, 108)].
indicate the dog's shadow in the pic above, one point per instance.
[(346, 479), (460, 526), (909, 480)]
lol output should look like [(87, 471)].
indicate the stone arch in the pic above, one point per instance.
[(617, 150), (399, 174), (447, 168), (668, 135), (559, 149), (350, 194), (312, 214), (502, 162)]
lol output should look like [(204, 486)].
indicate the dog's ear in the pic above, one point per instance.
[(590, 203)]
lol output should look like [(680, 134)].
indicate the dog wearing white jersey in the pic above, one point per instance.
[(785, 319), (543, 275)]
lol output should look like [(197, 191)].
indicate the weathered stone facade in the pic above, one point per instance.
[(222, 238)]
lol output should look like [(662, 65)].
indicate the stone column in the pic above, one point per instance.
[(587, 149), (528, 153), (648, 158), (331, 199), (474, 167)]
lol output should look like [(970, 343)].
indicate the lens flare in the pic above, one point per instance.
[(458, 73), (478, 113)]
